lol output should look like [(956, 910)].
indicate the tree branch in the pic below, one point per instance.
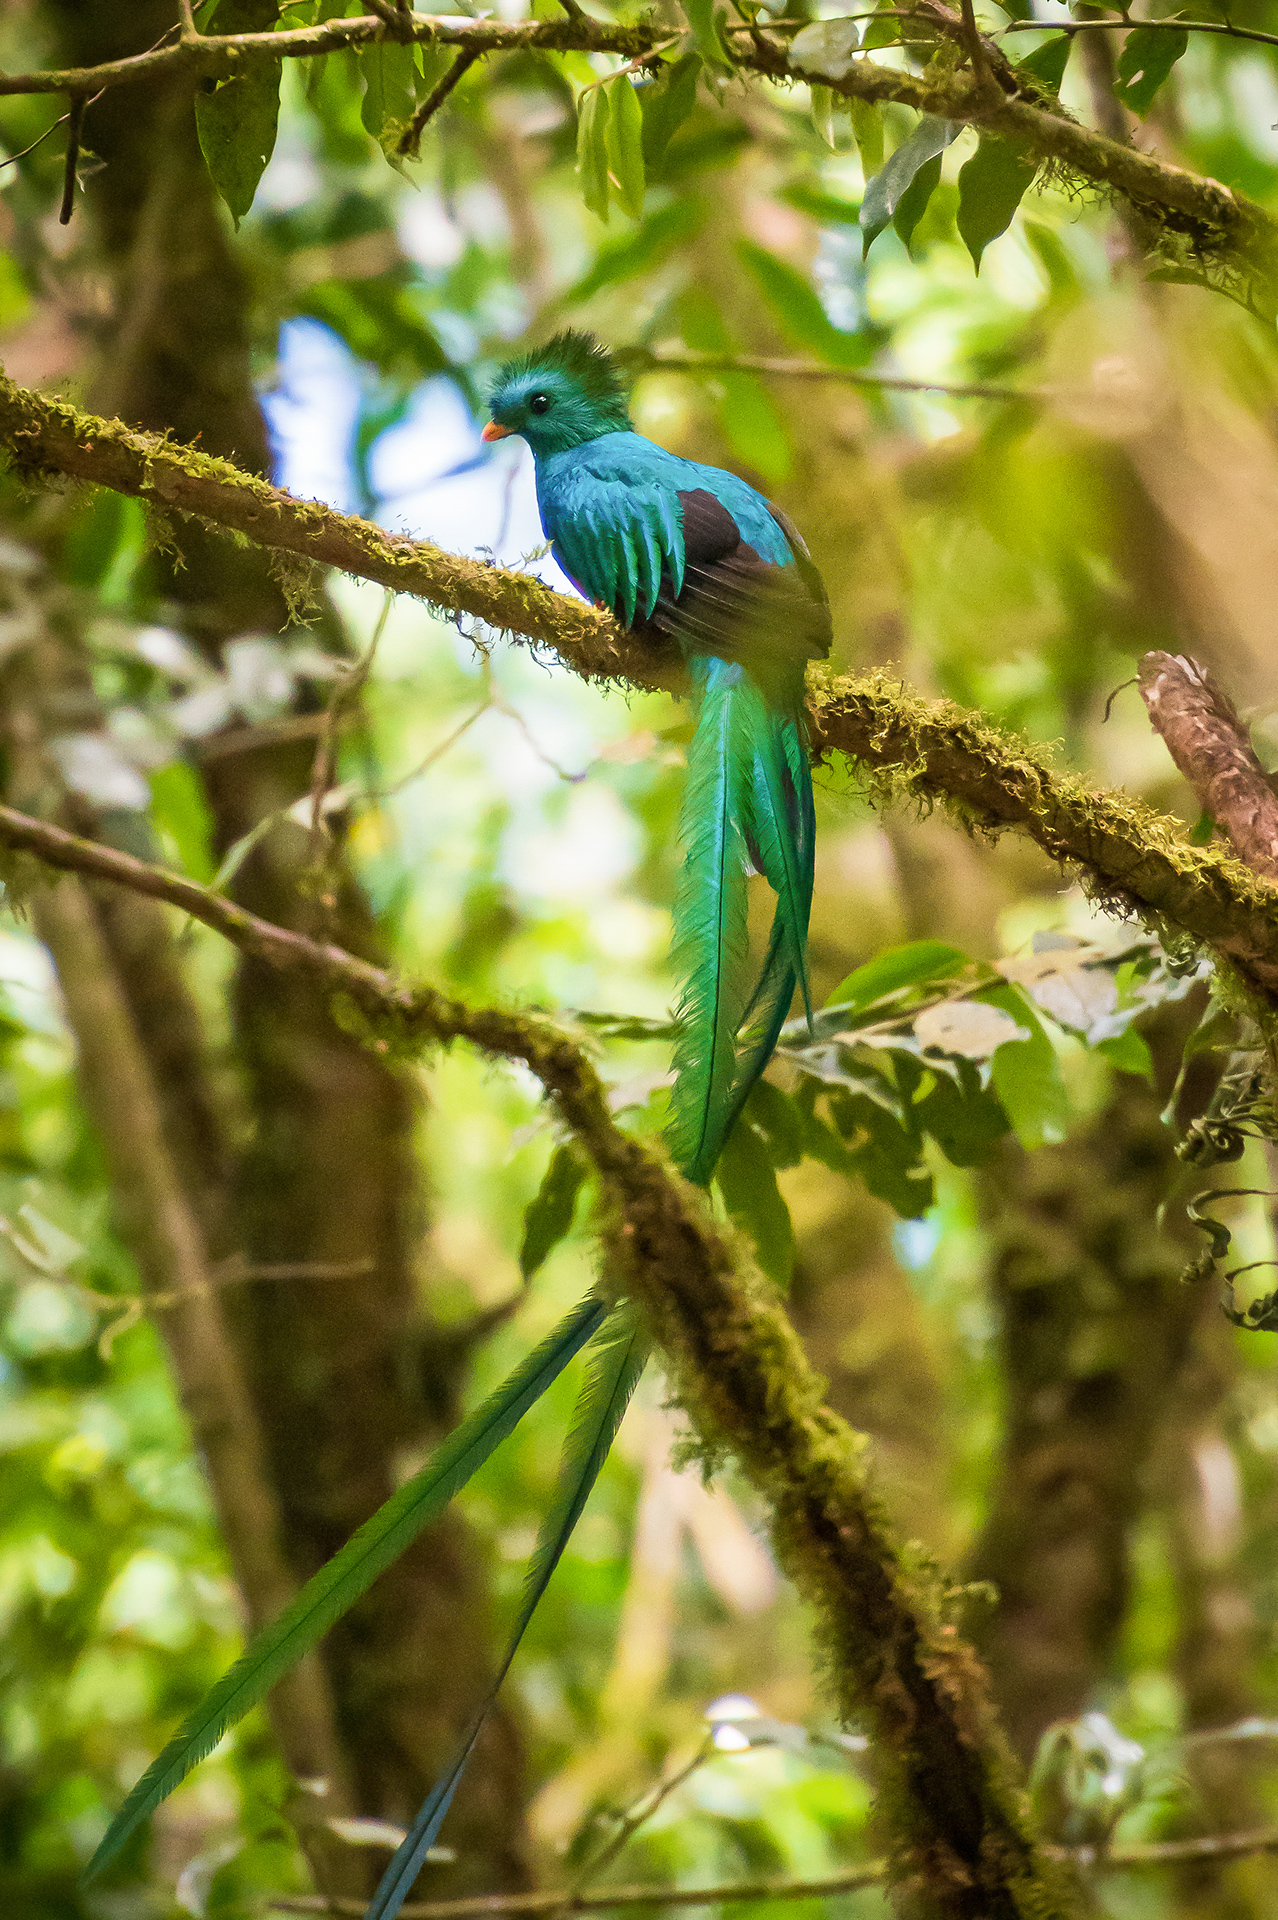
[(1159, 1853), (739, 1367), (649, 361), (923, 750), (1212, 748), (1214, 217)]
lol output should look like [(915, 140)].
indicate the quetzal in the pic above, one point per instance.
[(687, 552)]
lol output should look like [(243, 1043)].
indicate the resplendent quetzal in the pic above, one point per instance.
[(680, 550)]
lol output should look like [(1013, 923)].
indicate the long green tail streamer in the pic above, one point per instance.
[(338, 1584), (615, 1364)]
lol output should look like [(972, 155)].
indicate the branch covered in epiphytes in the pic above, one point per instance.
[(739, 1367), (926, 750), (1212, 747), (1220, 224)]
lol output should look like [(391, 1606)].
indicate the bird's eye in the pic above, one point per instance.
[(540, 403)]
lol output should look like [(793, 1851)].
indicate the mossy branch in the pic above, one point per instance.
[(931, 751), (1217, 221), (896, 1663)]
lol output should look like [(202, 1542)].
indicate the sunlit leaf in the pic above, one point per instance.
[(992, 185), (899, 967), (1147, 59), (592, 149), (624, 143)]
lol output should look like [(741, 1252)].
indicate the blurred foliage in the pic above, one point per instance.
[(513, 828)]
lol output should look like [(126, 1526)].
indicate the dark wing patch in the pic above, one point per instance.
[(738, 606)]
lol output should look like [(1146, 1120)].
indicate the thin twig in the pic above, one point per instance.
[(344, 695), (75, 122), (1165, 1853), (632, 66), (976, 49), (654, 362), (410, 140), (1127, 25)]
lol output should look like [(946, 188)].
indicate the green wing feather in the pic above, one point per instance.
[(615, 1363), (340, 1582)]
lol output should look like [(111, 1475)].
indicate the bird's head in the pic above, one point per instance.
[(559, 396)]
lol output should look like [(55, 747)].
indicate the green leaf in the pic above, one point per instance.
[(884, 193), (1145, 62), (705, 18), (340, 1582), (389, 69), (913, 202), (592, 149), (1203, 829), (666, 103), (778, 1119), (867, 125), (1027, 1076), (1048, 62), (640, 249), (381, 320), (746, 1180), (898, 967), (964, 1119), (615, 1364), (624, 145), (237, 122), (1129, 1052), (796, 304), (180, 809), (750, 421), (827, 208), (823, 113), (992, 185), (550, 1213)]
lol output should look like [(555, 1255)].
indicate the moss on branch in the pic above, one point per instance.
[(895, 1661), (932, 751)]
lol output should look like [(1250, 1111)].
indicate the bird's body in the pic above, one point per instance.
[(687, 552)]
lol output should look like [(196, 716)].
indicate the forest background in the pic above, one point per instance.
[(254, 1267)]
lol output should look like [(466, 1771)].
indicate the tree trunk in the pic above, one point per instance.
[(341, 1369)]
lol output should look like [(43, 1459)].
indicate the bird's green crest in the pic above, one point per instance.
[(562, 394)]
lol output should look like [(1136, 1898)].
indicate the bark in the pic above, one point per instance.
[(342, 1371), (1211, 745), (1096, 1328)]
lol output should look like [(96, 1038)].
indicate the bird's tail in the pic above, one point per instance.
[(747, 804)]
